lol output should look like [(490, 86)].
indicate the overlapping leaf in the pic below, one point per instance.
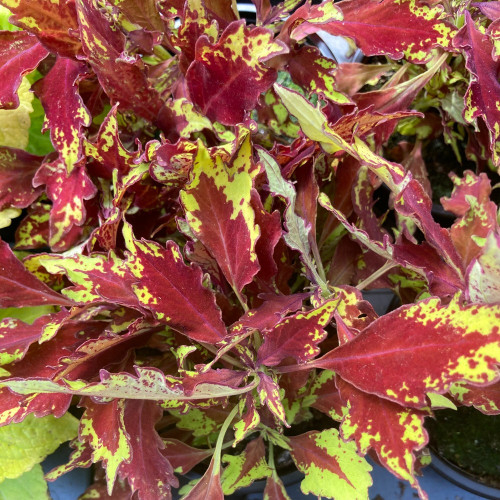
[(108, 428), (17, 169), (182, 456), (52, 21), (393, 431), (68, 193), (477, 215), (333, 469), (123, 77), (239, 53), (454, 343), (245, 468), (20, 53), (150, 383), (20, 288), (16, 336), (96, 277), (407, 28), (297, 236), (218, 208), (174, 291), (65, 111), (483, 275), (486, 399), (314, 124), (297, 336), (480, 99), (108, 151)]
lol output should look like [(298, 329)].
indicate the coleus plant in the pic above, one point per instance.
[(192, 244)]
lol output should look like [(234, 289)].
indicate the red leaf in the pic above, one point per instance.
[(275, 489), (20, 53), (54, 23), (33, 230), (297, 336), (245, 468), (394, 432), (396, 29), (123, 77), (414, 202), (67, 193), (20, 288), (219, 72), (42, 361), (481, 97), (64, 109), (269, 394), (454, 343), (218, 209), (485, 399), (16, 336), (182, 456), (332, 467), (470, 201), (148, 472), (443, 280), (270, 234), (17, 169), (174, 292), (108, 151), (209, 486)]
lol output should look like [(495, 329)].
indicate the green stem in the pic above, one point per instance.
[(377, 274), (225, 357), (240, 299), (220, 439)]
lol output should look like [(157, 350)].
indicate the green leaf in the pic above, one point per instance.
[(27, 443), (244, 469), (333, 469), (30, 485), (297, 236), (26, 314), (4, 20)]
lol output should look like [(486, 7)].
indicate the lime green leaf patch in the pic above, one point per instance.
[(27, 443)]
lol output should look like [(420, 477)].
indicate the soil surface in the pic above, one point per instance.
[(470, 440)]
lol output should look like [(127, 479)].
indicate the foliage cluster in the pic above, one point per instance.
[(197, 223)]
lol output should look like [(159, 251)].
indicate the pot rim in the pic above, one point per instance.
[(461, 478)]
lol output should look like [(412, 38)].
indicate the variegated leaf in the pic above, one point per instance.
[(52, 21), (394, 28), (20, 288), (108, 151), (245, 468), (483, 275), (219, 71), (65, 112), (333, 469), (148, 472), (150, 383), (174, 291), (20, 53), (269, 395), (102, 426), (394, 432), (455, 343), (476, 214), (481, 97), (17, 169), (123, 77), (486, 399), (297, 336), (218, 208), (68, 193)]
